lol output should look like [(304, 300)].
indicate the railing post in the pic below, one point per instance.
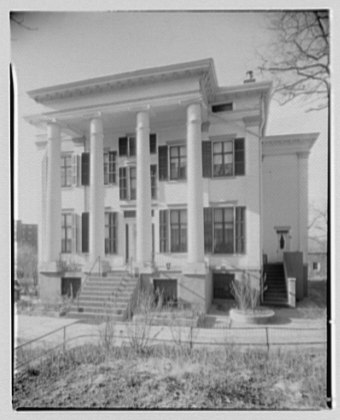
[(64, 339), (267, 338)]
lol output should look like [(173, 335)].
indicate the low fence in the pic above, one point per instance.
[(267, 337)]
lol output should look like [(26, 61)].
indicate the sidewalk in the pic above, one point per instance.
[(295, 333)]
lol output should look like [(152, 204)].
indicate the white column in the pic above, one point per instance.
[(194, 186), (53, 196), (303, 203), (143, 239), (96, 247)]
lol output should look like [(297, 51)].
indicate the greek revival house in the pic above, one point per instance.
[(163, 173)]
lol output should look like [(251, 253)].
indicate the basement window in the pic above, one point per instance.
[(167, 288), (225, 107)]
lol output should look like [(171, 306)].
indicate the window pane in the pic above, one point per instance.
[(183, 216), (228, 215), (218, 215), (174, 216), (132, 144), (182, 151), (174, 151), (173, 169), (228, 146), (218, 147)]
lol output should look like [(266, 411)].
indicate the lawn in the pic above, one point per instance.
[(174, 377)]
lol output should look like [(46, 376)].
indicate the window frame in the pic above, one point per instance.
[(180, 246), (179, 158), (111, 231), (110, 167), (223, 154), (239, 232), (66, 243)]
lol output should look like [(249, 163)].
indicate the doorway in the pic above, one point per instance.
[(282, 243)]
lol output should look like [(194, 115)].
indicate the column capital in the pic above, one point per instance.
[(194, 113), (96, 125), (142, 119)]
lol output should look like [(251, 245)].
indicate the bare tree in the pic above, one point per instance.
[(317, 227), (298, 58)]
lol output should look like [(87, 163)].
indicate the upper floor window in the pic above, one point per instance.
[(66, 170), (178, 162), (127, 146), (223, 158), (153, 171), (110, 167), (128, 182)]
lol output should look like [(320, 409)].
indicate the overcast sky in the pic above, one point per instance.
[(65, 47)]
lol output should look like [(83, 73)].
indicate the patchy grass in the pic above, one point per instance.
[(168, 377)]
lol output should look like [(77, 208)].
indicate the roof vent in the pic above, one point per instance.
[(249, 77)]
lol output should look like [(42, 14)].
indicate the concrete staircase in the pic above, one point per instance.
[(276, 291), (102, 297)]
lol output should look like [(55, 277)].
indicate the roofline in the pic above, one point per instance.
[(311, 137), (203, 65), (245, 87)]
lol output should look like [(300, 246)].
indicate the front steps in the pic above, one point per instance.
[(276, 291), (105, 297)]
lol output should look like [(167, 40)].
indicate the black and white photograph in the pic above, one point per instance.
[(171, 205)]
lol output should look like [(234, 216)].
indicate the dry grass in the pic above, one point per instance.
[(166, 377)]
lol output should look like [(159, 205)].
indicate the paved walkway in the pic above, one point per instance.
[(287, 331)]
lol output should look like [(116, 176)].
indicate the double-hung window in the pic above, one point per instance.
[(66, 170), (110, 167), (178, 230), (66, 232), (225, 230), (178, 162), (110, 233), (223, 158), (128, 182)]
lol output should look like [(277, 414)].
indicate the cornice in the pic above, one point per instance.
[(289, 144), (202, 68)]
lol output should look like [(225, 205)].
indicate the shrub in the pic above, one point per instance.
[(246, 296)]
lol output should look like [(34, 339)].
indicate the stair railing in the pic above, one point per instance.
[(97, 260)]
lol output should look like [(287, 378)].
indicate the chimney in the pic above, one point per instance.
[(249, 77)]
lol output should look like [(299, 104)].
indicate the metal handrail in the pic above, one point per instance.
[(87, 277)]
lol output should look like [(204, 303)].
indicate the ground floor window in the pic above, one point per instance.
[(66, 232), (178, 230), (166, 289), (224, 230), (70, 286), (222, 285)]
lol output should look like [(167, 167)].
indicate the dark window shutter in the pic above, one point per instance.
[(206, 159), (208, 229), (85, 232), (132, 146), (163, 231), (163, 163), (123, 146), (240, 228), (239, 157), (153, 143), (122, 184), (85, 168), (112, 167)]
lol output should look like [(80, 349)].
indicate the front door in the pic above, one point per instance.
[(282, 244), (130, 241)]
